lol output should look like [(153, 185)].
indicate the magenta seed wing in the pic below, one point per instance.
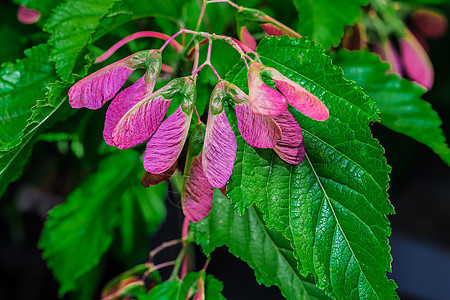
[(140, 122), (393, 58), (96, 89), (27, 15), (257, 131), (149, 179), (301, 99), (429, 22), (416, 62), (167, 143), (120, 105), (219, 150), (271, 29), (198, 192), (290, 148), (264, 100), (247, 38)]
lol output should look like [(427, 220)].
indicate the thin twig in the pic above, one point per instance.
[(185, 232), (196, 56), (162, 247), (208, 59), (206, 63), (177, 264), (226, 1), (138, 35), (153, 268), (171, 39), (202, 14), (198, 118), (208, 259)]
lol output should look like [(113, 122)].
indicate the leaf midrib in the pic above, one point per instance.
[(32, 132), (348, 158), (339, 224)]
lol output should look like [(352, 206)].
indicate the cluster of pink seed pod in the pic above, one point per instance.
[(137, 113)]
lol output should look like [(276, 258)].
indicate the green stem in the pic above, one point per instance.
[(202, 14), (177, 264)]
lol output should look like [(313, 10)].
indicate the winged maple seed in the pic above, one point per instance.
[(248, 42), (267, 101), (137, 114), (412, 59), (214, 166), (415, 60), (270, 102), (267, 23)]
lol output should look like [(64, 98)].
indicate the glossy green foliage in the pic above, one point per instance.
[(399, 100), (43, 116), (128, 10), (80, 231), (21, 84), (264, 250), (13, 161), (185, 288), (129, 283), (324, 21), (31, 79), (333, 205), (139, 202), (213, 288), (70, 27)]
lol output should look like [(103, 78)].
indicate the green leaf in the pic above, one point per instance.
[(165, 291), (79, 231), (12, 162), (393, 23), (333, 205), (402, 109), (215, 19), (149, 204), (71, 26), (173, 289), (265, 251), (44, 115), (324, 21), (127, 217), (213, 289), (188, 284), (88, 284), (129, 282), (21, 84), (128, 10)]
